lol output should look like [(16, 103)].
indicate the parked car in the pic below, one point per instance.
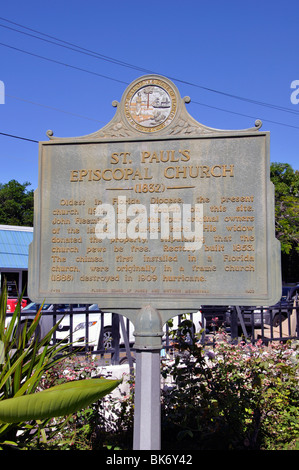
[(93, 335), (220, 316), (275, 314), (12, 303), (53, 313), (284, 306), (96, 339), (288, 295), (268, 315), (214, 315), (253, 317)]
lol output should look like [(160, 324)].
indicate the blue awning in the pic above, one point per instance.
[(14, 246)]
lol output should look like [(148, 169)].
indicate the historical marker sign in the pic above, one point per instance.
[(155, 208)]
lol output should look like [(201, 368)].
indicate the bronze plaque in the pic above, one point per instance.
[(155, 208)]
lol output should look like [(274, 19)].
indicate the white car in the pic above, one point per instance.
[(72, 328), (198, 327), (92, 334), (52, 314)]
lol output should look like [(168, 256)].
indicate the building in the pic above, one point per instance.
[(14, 252)]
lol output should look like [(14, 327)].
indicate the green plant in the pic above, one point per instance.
[(231, 396), (70, 367), (60, 400), (24, 361), (107, 423)]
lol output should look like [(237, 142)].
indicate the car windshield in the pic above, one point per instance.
[(33, 306)]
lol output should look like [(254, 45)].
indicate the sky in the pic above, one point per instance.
[(64, 62)]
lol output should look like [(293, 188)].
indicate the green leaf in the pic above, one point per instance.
[(60, 400), (11, 370), (8, 443), (3, 303)]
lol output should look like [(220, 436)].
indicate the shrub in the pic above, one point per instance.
[(106, 423), (231, 396), (220, 397)]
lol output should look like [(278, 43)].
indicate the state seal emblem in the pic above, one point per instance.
[(150, 105)]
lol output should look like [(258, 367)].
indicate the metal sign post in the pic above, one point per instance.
[(147, 414)]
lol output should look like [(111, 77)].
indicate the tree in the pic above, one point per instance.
[(286, 182), (16, 204)]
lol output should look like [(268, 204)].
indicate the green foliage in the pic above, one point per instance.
[(71, 367), (16, 204), (286, 182), (107, 423), (24, 360), (231, 397), (60, 400)]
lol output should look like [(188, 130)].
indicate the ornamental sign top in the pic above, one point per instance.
[(151, 106)]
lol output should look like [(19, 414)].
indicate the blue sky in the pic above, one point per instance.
[(209, 49)]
